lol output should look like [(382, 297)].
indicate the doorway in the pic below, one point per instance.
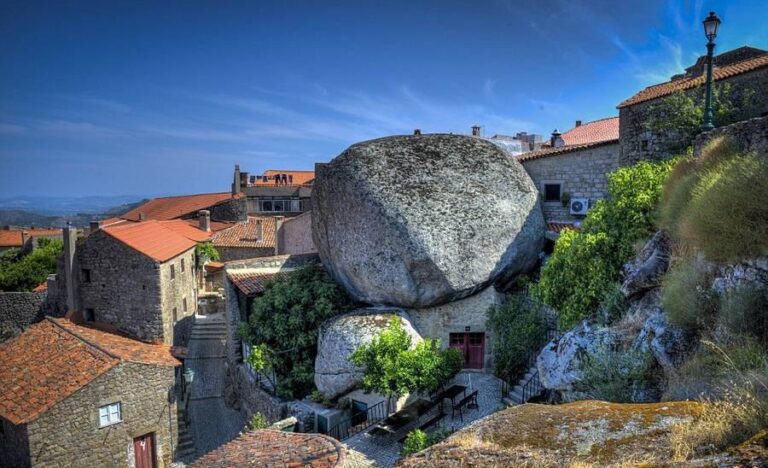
[(144, 451), (472, 346)]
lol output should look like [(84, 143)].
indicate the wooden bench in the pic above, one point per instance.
[(469, 400)]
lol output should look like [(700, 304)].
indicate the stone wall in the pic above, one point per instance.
[(233, 209), (632, 119), (750, 135), (14, 445), (583, 174), (295, 235), (228, 254), (19, 310), (278, 261), (68, 434), (178, 297), (462, 316)]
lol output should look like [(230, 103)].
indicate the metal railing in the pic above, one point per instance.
[(532, 387), (360, 421)]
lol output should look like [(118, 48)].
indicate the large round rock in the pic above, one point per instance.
[(417, 221), (339, 337)]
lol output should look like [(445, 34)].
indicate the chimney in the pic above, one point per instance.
[(476, 130), (24, 238), (278, 225), (142, 216), (556, 141), (70, 244), (236, 188), (417, 131), (259, 230), (204, 220), (578, 123), (96, 225)]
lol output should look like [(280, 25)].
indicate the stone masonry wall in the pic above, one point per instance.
[(178, 297), (295, 235), (632, 119), (14, 445), (231, 210), (455, 317), (581, 173), (750, 135), (19, 310), (228, 254), (68, 434), (125, 286)]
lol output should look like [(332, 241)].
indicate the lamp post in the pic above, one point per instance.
[(711, 23)]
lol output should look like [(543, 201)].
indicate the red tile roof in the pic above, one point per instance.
[(298, 177), (190, 231), (593, 132), (558, 226), (176, 207), (12, 237), (718, 73), (152, 239), (268, 448), (246, 234), (252, 282), (54, 358), (41, 287)]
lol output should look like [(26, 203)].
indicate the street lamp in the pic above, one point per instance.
[(711, 24)]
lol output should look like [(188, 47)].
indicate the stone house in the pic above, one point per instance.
[(745, 69), (25, 238), (77, 396), (252, 238), (139, 278), (275, 192), (574, 167), (294, 235)]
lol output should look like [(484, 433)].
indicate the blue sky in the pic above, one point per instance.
[(159, 98)]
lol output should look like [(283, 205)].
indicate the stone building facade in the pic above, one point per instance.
[(744, 69), (19, 310), (57, 416), (294, 236)]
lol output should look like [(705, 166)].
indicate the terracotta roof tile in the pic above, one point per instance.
[(41, 287), (190, 231), (55, 358), (251, 282), (593, 132), (558, 226), (269, 448), (152, 239), (175, 207), (718, 73), (297, 177), (12, 237), (247, 234)]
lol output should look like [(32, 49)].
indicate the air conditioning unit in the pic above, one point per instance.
[(579, 206)]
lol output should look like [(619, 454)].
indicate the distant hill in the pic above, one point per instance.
[(57, 212)]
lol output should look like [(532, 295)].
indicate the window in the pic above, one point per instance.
[(85, 275), (110, 414), (90, 315), (278, 206), (175, 315), (552, 192), (266, 205), (184, 301), (173, 271), (643, 145), (182, 265)]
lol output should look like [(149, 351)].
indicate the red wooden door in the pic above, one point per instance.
[(144, 450), (475, 350)]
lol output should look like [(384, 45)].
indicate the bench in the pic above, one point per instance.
[(469, 400)]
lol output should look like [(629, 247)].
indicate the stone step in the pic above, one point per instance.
[(518, 389), (509, 401), (208, 335), (516, 397)]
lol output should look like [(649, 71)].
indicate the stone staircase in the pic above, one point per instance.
[(185, 448), (209, 328), (525, 388)]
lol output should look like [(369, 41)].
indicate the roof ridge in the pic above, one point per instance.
[(182, 196), (83, 339)]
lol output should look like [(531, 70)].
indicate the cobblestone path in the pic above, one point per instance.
[(212, 422), (488, 399)]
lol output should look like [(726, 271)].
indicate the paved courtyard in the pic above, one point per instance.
[(212, 422), (488, 398)]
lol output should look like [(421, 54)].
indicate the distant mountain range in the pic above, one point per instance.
[(57, 211)]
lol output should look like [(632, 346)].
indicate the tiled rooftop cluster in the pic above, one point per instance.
[(588, 135)]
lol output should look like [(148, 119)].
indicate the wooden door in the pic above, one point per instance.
[(144, 451), (475, 350)]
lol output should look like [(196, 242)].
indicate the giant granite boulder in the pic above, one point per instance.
[(417, 221), (340, 336)]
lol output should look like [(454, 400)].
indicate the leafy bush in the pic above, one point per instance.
[(415, 441), (258, 421), (24, 272), (205, 251), (285, 319), (686, 295), (744, 311), (519, 328), (616, 375), (586, 263), (613, 305)]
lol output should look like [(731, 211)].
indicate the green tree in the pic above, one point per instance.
[(284, 323), (393, 369), (24, 272), (205, 251), (520, 328)]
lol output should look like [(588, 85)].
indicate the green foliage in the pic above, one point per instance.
[(680, 115), (519, 327), (285, 319), (613, 305), (415, 441), (686, 296), (744, 311), (393, 369), (615, 375), (258, 421), (205, 251), (24, 272), (585, 264)]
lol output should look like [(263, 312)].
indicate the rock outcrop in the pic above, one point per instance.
[(646, 271), (417, 221), (341, 336)]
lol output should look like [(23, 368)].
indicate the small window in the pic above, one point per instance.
[(279, 205), (184, 302), (182, 265), (85, 275), (266, 205), (644, 145), (173, 271), (110, 414), (175, 315), (552, 192), (90, 315)]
